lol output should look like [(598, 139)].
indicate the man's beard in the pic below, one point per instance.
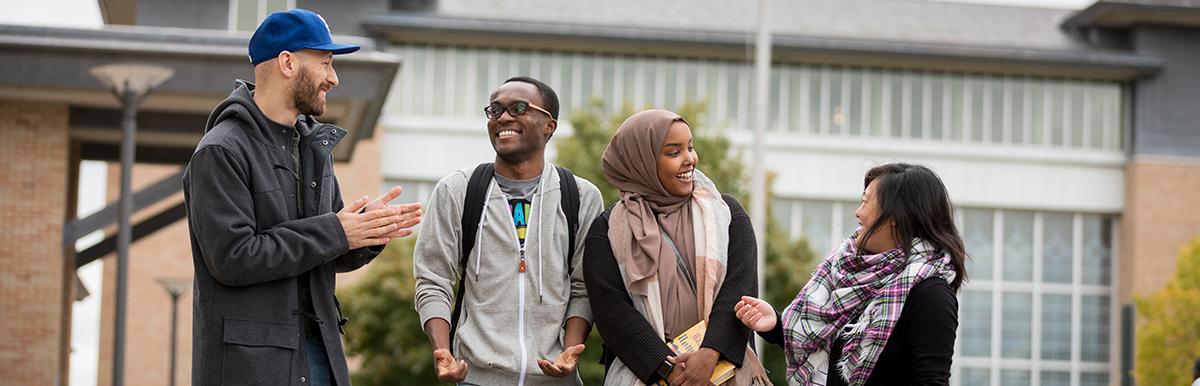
[(306, 95)]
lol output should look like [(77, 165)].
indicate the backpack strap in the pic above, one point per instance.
[(473, 205), (569, 189)]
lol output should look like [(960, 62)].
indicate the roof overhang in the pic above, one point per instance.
[(51, 65), (1127, 14), (735, 45)]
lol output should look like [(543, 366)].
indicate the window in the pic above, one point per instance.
[(1048, 324), (826, 100), (244, 15)]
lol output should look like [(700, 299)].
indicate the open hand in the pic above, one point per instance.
[(449, 370), (408, 215), (367, 229), (756, 314), (564, 365)]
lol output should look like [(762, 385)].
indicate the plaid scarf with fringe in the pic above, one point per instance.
[(860, 296)]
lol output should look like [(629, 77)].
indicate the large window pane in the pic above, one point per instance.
[(976, 376), (1015, 125), (916, 99), (1038, 112), (874, 127), (956, 106), (849, 222), (1017, 317), (782, 210), (439, 72), (896, 111), (1097, 250), (247, 14), (1096, 117), (1057, 251), (977, 90), (1056, 327), (1075, 114), (1056, 378), (1014, 377), (813, 78), (1018, 246), (997, 114), (935, 120), (1095, 329), (277, 5), (835, 114), (977, 235), (976, 323), (817, 225), (1093, 379), (853, 96), (1056, 113)]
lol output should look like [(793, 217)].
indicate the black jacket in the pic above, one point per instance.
[(920, 348), (258, 228), (626, 333)]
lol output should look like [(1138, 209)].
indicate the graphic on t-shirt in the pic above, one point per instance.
[(520, 212)]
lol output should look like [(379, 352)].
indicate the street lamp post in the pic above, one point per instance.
[(758, 179), (130, 83), (175, 287)]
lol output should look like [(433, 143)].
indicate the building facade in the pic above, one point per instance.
[(1057, 132), (1065, 138)]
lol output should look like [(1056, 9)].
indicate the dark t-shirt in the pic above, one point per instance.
[(520, 200)]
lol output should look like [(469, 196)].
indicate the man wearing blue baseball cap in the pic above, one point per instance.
[(267, 223)]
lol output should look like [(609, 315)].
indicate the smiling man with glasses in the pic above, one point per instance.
[(504, 242)]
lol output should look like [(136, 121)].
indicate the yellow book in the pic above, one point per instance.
[(689, 341)]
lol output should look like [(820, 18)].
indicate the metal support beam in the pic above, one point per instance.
[(141, 229), (78, 228)]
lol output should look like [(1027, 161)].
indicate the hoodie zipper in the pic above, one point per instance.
[(521, 268)]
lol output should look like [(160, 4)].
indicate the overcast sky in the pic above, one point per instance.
[(86, 13)]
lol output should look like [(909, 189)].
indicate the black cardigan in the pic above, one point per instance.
[(921, 346), (628, 335)]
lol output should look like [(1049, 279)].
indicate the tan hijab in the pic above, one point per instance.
[(630, 163)]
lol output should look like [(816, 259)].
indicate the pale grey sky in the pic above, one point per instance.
[(86, 13)]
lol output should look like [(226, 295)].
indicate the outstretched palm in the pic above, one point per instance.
[(756, 314), (563, 365)]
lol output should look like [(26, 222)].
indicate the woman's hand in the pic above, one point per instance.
[(694, 368), (756, 314)]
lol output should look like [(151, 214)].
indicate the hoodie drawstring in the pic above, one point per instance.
[(541, 203), (479, 231)]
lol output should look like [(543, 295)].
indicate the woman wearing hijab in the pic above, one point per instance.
[(672, 252), (880, 309)]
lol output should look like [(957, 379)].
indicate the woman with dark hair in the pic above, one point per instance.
[(671, 253), (881, 308)]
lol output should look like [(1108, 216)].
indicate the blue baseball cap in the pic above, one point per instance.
[(293, 30)]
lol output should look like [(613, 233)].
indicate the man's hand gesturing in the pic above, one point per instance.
[(448, 369), (372, 224), (367, 229)]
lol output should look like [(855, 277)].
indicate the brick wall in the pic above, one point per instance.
[(33, 195), (1161, 214)]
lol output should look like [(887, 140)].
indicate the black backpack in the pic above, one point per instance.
[(473, 208)]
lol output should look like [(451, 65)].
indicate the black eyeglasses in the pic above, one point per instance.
[(516, 109)]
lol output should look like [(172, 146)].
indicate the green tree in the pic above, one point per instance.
[(384, 331), (788, 262), (1168, 335)]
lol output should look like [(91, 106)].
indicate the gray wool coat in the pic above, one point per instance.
[(257, 226)]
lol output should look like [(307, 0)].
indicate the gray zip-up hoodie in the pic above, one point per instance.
[(510, 319)]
